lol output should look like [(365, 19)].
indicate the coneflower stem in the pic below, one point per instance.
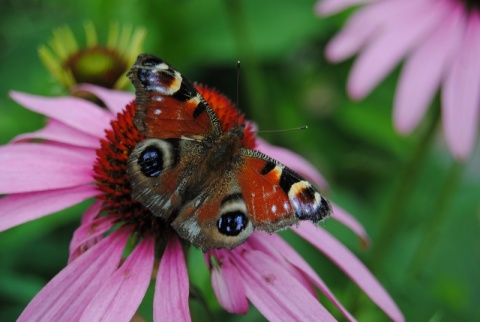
[(393, 217), (435, 220)]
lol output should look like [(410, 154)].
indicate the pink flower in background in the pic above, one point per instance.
[(440, 42), (76, 161)]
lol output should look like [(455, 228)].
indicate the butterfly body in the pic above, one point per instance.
[(199, 178)]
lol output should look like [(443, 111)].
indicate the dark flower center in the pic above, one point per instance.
[(112, 179), (97, 65)]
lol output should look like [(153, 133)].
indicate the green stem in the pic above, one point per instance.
[(393, 218), (435, 220)]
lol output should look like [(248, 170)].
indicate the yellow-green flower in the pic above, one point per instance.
[(95, 63)]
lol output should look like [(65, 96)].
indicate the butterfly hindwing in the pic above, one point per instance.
[(159, 171), (216, 218), (170, 106)]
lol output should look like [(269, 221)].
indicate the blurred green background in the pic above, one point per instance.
[(284, 82)]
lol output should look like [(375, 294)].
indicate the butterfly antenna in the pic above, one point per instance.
[(303, 127), (238, 91)]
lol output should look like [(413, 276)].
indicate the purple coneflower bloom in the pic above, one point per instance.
[(82, 154), (440, 41)]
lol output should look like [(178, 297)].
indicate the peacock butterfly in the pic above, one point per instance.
[(199, 178)]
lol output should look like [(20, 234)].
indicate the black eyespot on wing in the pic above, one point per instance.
[(151, 161), (151, 77), (308, 209), (232, 223), (309, 204)]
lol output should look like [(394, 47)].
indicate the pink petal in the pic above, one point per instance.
[(121, 295), (17, 209), (28, 167), (65, 297), (350, 264), (379, 58), (114, 100), (461, 95), (86, 233), (293, 161), (424, 70), (170, 302), (227, 286), (59, 132), (264, 242), (365, 24), (271, 288), (329, 7), (77, 113), (276, 246), (79, 243), (349, 221), (92, 212)]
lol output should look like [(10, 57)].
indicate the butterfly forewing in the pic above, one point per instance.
[(170, 106), (278, 196)]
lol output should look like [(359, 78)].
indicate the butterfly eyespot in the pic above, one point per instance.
[(151, 161), (232, 223)]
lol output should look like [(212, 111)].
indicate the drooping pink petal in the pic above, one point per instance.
[(227, 286), (92, 212), (351, 265), (264, 242), (86, 233), (59, 132), (424, 70), (114, 100), (349, 221), (293, 161), (79, 243), (121, 295), (27, 167), (17, 209), (461, 95), (170, 302), (65, 297), (274, 245), (277, 295), (382, 54), (75, 112), (367, 23), (328, 7)]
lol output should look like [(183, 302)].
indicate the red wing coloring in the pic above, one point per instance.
[(200, 179)]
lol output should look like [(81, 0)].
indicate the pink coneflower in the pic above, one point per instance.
[(440, 40), (75, 160)]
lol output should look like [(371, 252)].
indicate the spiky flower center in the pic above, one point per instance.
[(112, 157), (96, 65)]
